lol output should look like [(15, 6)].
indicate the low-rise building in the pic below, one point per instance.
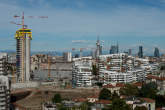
[(160, 81), (49, 106), (146, 102)]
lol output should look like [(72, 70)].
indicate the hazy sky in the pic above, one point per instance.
[(77, 23)]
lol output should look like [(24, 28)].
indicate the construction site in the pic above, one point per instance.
[(36, 78)]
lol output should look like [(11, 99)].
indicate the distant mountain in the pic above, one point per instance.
[(8, 51)]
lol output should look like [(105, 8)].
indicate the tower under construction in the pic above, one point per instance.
[(23, 37)]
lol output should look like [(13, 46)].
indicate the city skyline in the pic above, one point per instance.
[(131, 23)]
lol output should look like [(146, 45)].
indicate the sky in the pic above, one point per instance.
[(78, 23)]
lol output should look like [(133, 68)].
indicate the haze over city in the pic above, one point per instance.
[(82, 54), (130, 23)]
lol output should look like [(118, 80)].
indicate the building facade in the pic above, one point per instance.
[(3, 59), (140, 53), (4, 93), (23, 38), (82, 72), (156, 53)]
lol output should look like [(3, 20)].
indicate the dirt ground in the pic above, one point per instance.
[(35, 100)]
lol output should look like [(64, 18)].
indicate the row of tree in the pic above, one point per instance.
[(148, 90)]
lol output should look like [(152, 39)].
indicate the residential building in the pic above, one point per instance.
[(82, 71), (49, 106), (160, 81), (4, 93), (121, 68), (146, 102), (107, 77), (3, 60)]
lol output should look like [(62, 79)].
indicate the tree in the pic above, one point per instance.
[(84, 106), (105, 94), (118, 104), (94, 70), (162, 67), (100, 84), (56, 98), (129, 90), (148, 90), (160, 101), (115, 95), (63, 108), (140, 108)]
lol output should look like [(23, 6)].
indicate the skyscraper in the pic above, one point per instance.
[(98, 48), (156, 53), (140, 53), (23, 38), (114, 49), (129, 51)]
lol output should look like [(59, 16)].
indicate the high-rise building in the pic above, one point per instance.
[(4, 93), (114, 49), (140, 53), (156, 53), (98, 48), (129, 51), (23, 38), (67, 56)]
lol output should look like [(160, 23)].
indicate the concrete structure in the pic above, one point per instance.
[(146, 102), (67, 56), (160, 81), (49, 106), (82, 72), (25, 85), (4, 93), (98, 48), (121, 68), (23, 38), (116, 62), (129, 51), (3, 59)]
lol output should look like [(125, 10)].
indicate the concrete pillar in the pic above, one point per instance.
[(27, 58)]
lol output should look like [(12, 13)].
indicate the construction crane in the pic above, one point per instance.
[(23, 38), (79, 49)]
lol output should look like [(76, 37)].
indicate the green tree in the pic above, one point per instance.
[(105, 94), (115, 95), (160, 101), (118, 104), (140, 108), (94, 70), (63, 108), (57, 98), (148, 90), (129, 90), (162, 67), (99, 84), (84, 106)]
